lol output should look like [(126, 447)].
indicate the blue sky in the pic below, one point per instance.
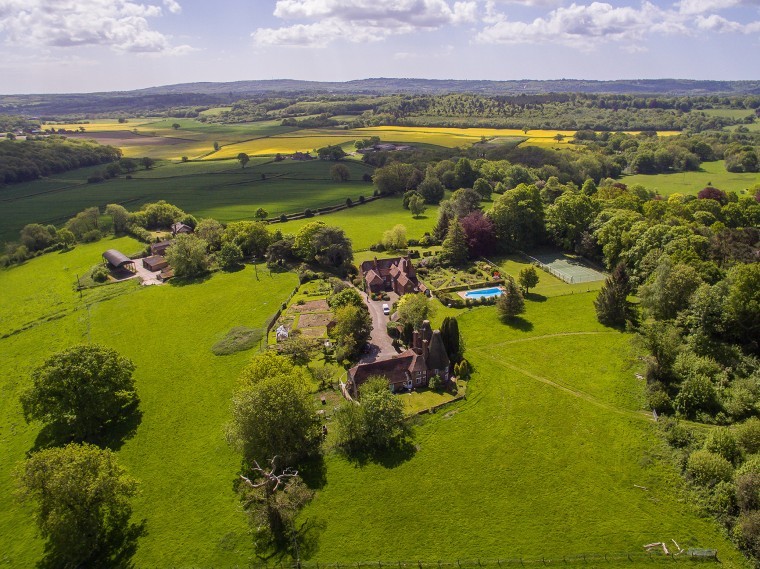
[(104, 45)]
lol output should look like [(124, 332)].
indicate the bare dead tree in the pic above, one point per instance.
[(274, 499)]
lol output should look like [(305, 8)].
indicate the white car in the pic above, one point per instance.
[(386, 309)]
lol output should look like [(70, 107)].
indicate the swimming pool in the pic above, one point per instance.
[(483, 292)]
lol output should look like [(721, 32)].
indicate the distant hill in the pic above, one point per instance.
[(190, 94), (440, 86)]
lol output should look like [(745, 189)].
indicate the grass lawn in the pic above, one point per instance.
[(548, 285), (421, 399), (540, 460), (690, 183), (178, 451)]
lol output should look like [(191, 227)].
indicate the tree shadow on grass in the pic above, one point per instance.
[(185, 281), (389, 457), (518, 323), (235, 269), (113, 436), (115, 552), (535, 297)]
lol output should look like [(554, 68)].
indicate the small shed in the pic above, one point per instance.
[(178, 228), (281, 333), (117, 260), (155, 263), (166, 274), (159, 248)]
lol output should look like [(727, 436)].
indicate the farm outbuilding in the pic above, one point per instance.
[(155, 263), (159, 248), (178, 228), (118, 260)]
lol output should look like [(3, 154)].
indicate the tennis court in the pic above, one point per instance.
[(572, 270)]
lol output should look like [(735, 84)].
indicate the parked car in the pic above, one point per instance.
[(386, 309)]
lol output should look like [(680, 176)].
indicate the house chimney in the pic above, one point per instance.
[(416, 345), (374, 264), (425, 349)]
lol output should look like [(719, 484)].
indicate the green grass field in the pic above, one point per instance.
[(222, 190), (365, 224), (178, 452), (690, 183), (541, 460)]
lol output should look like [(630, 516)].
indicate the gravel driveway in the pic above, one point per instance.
[(381, 343)]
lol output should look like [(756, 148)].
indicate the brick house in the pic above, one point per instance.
[(396, 274), (410, 369)]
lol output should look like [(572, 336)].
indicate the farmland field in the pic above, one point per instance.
[(690, 183), (221, 189)]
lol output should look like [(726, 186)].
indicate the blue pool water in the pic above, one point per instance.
[(483, 293)]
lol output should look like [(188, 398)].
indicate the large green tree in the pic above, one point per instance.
[(353, 327), (80, 496), (568, 217), (84, 388), (187, 255), (454, 250), (331, 246), (612, 308), (376, 424), (518, 215), (395, 178), (252, 237), (511, 303), (274, 414), (669, 289), (303, 245), (413, 309)]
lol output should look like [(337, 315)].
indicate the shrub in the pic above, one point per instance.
[(238, 339), (697, 394), (746, 532), (721, 441), (308, 213), (100, 274), (361, 198), (92, 236), (707, 469), (658, 399), (435, 382), (95, 179), (349, 203), (748, 435)]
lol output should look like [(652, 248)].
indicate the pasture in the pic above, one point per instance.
[(222, 190), (365, 224), (177, 449), (690, 183), (542, 458)]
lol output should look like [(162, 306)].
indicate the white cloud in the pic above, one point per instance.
[(360, 20), (585, 26), (578, 24), (702, 6), (719, 24), (119, 24), (173, 6)]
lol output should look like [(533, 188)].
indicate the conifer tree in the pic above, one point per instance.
[(455, 250), (511, 303), (611, 304)]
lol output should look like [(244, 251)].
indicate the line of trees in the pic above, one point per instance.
[(25, 160)]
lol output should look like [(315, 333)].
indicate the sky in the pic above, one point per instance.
[(59, 46)]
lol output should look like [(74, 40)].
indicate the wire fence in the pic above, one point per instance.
[(689, 556)]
